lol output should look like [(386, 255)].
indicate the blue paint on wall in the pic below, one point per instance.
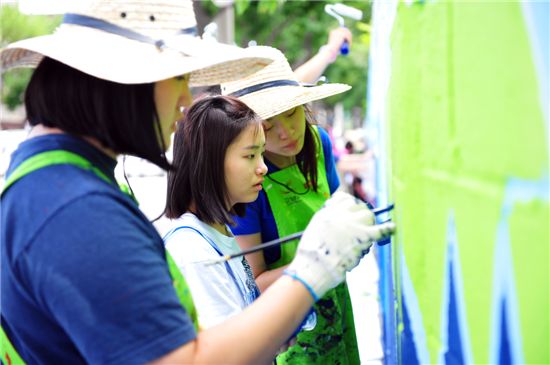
[(384, 13), (505, 321), (505, 357), (454, 354), (455, 341), (408, 348), (414, 342), (387, 303)]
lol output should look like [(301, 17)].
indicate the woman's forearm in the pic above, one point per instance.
[(253, 336), (268, 277)]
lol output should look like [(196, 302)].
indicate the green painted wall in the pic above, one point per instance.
[(464, 117)]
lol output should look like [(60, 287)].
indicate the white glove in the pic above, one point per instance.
[(334, 241)]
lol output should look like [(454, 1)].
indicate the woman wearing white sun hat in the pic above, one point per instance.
[(301, 177), (84, 275)]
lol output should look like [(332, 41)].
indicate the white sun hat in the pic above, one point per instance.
[(136, 41), (275, 88)]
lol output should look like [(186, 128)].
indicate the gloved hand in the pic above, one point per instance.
[(334, 241)]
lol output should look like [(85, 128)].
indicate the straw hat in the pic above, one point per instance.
[(136, 41), (275, 89)]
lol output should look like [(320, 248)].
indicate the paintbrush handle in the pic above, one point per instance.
[(382, 210), (263, 246), (269, 244), (282, 240)]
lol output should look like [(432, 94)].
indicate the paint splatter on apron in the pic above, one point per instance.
[(333, 339)]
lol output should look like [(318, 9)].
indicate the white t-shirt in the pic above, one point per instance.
[(216, 293)]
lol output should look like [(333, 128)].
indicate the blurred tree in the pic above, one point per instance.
[(299, 28), (13, 27)]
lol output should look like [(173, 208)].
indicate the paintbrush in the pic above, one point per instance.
[(277, 242)]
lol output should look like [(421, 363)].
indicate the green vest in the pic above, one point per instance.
[(58, 157), (293, 204)]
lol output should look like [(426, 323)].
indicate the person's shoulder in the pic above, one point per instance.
[(74, 199), (322, 131), (97, 222), (325, 142), (101, 197), (253, 218), (187, 240), (105, 215), (186, 225), (323, 134)]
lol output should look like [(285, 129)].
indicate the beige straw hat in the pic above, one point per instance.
[(275, 89), (136, 41)]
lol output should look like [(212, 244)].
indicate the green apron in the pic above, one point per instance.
[(57, 157), (333, 339)]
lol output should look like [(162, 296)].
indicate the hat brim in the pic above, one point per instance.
[(270, 102), (119, 59)]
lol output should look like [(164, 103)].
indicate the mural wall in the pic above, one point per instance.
[(458, 115)]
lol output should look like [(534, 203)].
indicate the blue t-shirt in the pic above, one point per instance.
[(84, 277), (259, 217)]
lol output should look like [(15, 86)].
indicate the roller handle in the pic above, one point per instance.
[(344, 49)]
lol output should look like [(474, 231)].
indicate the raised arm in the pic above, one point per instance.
[(310, 71)]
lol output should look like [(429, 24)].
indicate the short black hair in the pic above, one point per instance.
[(121, 117), (201, 140)]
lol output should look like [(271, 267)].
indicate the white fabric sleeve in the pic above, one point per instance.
[(214, 293)]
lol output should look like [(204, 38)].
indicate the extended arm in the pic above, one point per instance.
[(332, 244), (253, 336), (310, 71)]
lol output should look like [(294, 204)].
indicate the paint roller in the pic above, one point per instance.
[(339, 11)]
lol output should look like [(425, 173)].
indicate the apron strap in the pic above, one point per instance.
[(8, 352), (293, 204), (55, 157)]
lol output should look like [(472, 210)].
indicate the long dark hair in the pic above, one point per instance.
[(121, 117), (306, 159), (201, 140)]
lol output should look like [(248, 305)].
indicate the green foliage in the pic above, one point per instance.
[(299, 28), (15, 26), (14, 84)]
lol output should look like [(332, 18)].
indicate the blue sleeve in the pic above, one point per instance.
[(106, 282), (258, 219), (250, 223), (330, 165)]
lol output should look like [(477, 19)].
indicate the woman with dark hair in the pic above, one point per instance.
[(85, 278), (205, 188), (302, 176), (132, 105)]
